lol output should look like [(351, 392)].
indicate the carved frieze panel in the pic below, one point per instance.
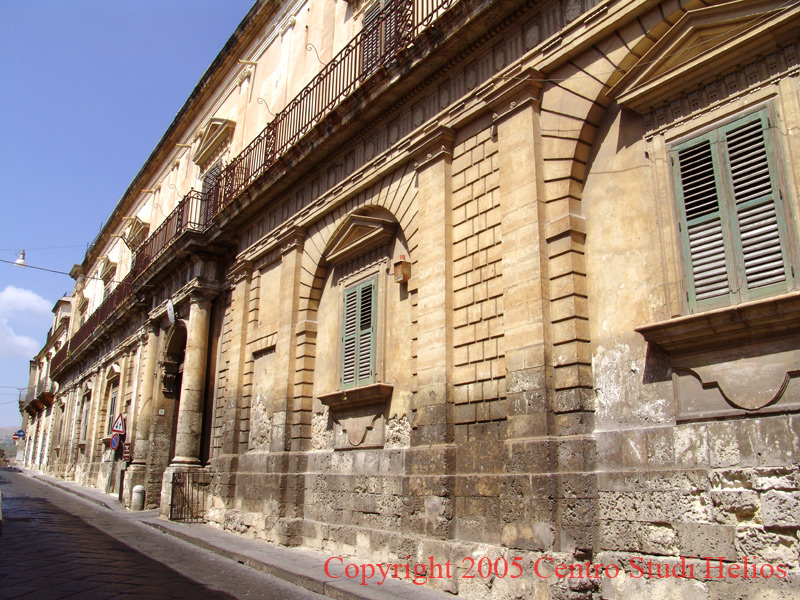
[(762, 377), (359, 428), (359, 416)]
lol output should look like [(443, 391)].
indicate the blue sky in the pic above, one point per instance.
[(87, 88)]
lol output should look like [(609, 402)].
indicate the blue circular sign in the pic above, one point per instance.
[(114, 441)]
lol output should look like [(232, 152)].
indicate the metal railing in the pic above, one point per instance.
[(375, 45), (378, 44), (189, 496), (45, 386)]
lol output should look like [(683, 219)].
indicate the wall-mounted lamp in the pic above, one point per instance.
[(402, 270)]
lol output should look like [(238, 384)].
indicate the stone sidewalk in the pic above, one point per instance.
[(298, 566)]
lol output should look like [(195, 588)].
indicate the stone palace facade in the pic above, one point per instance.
[(461, 278)]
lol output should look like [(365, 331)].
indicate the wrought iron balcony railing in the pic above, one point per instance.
[(377, 44)]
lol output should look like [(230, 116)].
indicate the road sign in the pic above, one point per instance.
[(119, 425), (127, 451), (15, 437), (115, 441), (20, 433)]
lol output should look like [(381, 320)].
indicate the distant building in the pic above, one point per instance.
[(44, 417), (459, 279)]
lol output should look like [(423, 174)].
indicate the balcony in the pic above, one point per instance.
[(392, 31)]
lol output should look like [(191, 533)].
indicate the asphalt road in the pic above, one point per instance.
[(56, 546)]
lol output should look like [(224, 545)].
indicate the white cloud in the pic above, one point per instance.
[(24, 316), (16, 346), (20, 302)]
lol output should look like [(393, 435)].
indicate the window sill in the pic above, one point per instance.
[(356, 397), (725, 327)]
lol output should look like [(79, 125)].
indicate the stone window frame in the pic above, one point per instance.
[(111, 392), (693, 328), (354, 273), (86, 405)]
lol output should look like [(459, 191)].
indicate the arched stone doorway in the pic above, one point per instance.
[(172, 378), (169, 375)]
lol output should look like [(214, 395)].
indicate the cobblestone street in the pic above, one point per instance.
[(55, 546)]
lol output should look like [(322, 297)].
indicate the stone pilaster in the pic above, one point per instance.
[(525, 290), (434, 403), (232, 407)]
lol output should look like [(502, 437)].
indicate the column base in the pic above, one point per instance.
[(185, 461), (177, 496)]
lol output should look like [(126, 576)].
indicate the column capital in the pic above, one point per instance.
[(241, 269), (435, 144), (518, 89), (199, 298), (292, 239), (152, 326)]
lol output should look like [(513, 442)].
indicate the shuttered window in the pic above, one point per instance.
[(112, 408), (732, 226), (358, 335), (372, 41)]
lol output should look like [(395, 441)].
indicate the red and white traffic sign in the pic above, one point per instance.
[(119, 425)]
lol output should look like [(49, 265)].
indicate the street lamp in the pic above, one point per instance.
[(20, 262)]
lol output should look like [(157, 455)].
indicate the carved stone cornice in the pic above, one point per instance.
[(747, 80)]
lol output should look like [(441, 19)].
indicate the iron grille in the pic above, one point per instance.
[(189, 496)]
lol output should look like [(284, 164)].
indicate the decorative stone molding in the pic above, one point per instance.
[(705, 42), (517, 89), (754, 76), (734, 360), (247, 73), (357, 235), (241, 270), (434, 144), (730, 326), (216, 136), (359, 415)]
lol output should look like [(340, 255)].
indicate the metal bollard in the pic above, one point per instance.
[(137, 498)]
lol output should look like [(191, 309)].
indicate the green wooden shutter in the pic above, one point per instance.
[(734, 236), (761, 249), (703, 226), (358, 335), (371, 40)]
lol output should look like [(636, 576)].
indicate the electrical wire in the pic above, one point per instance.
[(11, 262)]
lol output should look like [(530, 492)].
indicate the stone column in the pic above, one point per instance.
[(141, 444), (525, 293), (190, 409)]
